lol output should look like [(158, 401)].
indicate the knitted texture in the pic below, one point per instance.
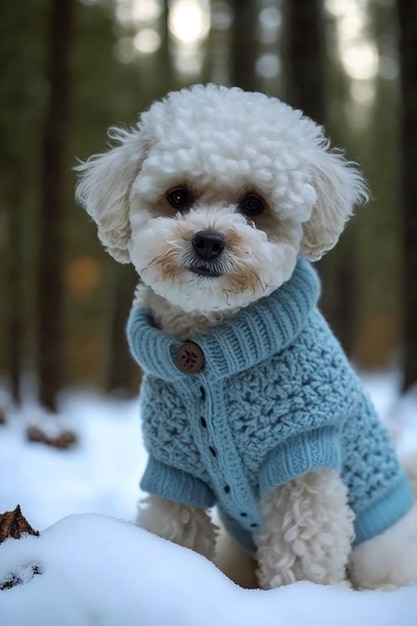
[(276, 398)]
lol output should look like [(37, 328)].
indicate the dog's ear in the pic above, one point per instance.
[(339, 186), (104, 187)]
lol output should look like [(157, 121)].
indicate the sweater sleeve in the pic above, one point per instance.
[(298, 455), (175, 484)]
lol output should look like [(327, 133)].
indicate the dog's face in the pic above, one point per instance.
[(215, 195)]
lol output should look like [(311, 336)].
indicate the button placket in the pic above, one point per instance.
[(205, 434), (206, 438), (226, 491)]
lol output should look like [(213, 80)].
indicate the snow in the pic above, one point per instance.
[(97, 568), (101, 571), (100, 475)]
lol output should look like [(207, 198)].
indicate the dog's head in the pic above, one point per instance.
[(215, 194)]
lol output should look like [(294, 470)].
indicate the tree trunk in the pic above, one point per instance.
[(165, 52), (304, 58), (244, 44), (50, 288), (15, 267), (21, 28), (407, 13)]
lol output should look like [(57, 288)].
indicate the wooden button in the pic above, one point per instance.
[(190, 358)]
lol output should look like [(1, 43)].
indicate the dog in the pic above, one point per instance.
[(221, 200)]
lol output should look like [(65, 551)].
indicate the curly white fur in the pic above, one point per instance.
[(251, 266), (221, 145), (307, 532), (104, 188), (179, 523)]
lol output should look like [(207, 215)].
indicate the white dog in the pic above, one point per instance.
[(220, 198)]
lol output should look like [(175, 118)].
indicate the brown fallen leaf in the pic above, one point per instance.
[(14, 524)]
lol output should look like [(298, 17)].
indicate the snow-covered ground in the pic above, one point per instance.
[(98, 569)]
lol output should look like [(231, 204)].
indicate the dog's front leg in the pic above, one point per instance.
[(307, 532), (180, 523)]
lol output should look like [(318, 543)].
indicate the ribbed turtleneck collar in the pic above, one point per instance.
[(256, 333)]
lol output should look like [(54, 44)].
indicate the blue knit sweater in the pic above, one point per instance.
[(276, 398)]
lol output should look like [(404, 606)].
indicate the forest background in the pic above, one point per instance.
[(69, 69)]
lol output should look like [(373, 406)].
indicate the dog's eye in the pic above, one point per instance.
[(251, 205), (179, 198)]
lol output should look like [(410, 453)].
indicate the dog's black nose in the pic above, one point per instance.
[(208, 245)]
